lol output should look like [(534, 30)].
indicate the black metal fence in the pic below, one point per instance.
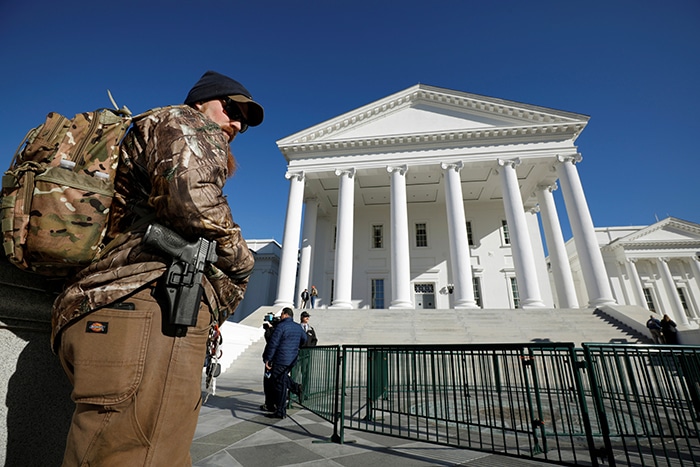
[(616, 404), (648, 400)]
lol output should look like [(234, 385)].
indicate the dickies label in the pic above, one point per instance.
[(97, 327)]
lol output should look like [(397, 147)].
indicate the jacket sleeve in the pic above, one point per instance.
[(189, 166)]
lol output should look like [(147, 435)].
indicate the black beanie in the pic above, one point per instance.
[(213, 85)]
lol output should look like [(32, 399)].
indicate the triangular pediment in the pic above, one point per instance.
[(424, 111), (669, 231)]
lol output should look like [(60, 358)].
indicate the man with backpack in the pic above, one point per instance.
[(136, 375)]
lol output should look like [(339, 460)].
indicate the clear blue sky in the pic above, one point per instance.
[(633, 66)]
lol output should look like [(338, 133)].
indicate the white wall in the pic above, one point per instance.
[(262, 286)]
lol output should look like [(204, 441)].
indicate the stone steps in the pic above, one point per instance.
[(365, 326)]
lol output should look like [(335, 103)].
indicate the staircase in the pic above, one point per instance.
[(367, 326)]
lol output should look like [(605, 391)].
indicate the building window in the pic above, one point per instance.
[(378, 236), (421, 235), (649, 299), (470, 237), (514, 290), (684, 302), (378, 293), (506, 233), (477, 291)]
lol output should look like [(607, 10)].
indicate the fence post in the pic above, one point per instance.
[(527, 361), (576, 368), (338, 407), (607, 451)]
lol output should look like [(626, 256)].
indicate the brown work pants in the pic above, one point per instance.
[(137, 387)]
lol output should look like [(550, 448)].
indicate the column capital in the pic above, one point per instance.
[(631, 260), (401, 169), (544, 187), (573, 158), (456, 166), (349, 172), (299, 176), (551, 187), (509, 162), (535, 209)]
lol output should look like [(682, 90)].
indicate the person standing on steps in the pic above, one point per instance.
[(654, 326), (304, 298), (668, 328)]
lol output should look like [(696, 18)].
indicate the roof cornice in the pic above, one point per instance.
[(463, 138), (661, 244)]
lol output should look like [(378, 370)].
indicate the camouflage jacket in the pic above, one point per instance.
[(172, 170)]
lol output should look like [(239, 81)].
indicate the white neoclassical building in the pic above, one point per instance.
[(429, 198), (656, 267), (263, 281)]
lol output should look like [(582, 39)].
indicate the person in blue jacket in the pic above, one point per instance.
[(280, 356)]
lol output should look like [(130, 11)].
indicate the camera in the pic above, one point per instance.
[(271, 320)]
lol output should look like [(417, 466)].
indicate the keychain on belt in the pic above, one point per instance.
[(213, 367)]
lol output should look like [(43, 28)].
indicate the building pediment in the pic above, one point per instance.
[(669, 232), (428, 115)]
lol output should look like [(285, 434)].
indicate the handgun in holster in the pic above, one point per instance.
[(182, 281)]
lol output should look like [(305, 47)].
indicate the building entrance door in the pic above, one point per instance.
[(425, 296)]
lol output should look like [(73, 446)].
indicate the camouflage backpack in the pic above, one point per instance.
[(58, 190)]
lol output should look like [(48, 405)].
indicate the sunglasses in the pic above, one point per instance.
[(234, 113)]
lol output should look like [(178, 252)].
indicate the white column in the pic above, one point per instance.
[(561, 269), (308, 240), (695, 285), (290, 240), (460, 255), (343, 250), (676, 312), (633, 274), (400, 253), (592, 265), (695, 267), (521, 246)]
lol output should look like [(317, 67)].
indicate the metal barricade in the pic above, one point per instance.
[(614, 404), (520, 400), (648, 398), (318, 370)]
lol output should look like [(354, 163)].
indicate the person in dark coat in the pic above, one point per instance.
[(668, 328), (268, 384), (280, 356), (304, 298), (654, 326)]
